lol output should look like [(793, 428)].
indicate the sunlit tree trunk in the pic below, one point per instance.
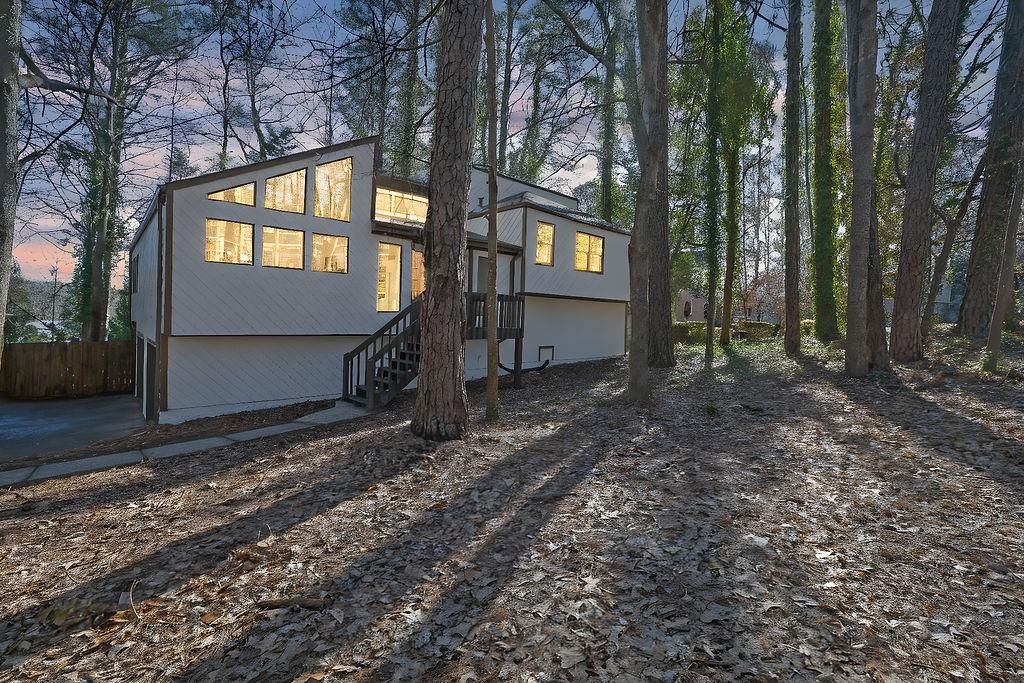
[(791, 179), (441, 410), (10, 43), (1004, 294), (492, 219), (931, 121), (732, 236)]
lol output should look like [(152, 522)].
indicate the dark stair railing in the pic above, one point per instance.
[(389, 359)]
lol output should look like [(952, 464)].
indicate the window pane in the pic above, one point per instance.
[(596, 254), (391, 205), (545, 244), (287, 192), (332, 190), (228, 241), (330, 254), (419, 274), (243, 194), (282, 248), (582, 242), (589, 252), (389, 277)]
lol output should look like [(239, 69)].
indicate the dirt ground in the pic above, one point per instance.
[(771, 519)]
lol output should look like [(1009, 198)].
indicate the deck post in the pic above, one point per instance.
[(517, 375)]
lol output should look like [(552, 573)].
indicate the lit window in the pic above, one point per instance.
[(242, 194), (400, 206), (228, 241), (419, 274), (287, 192), (589, 253), (330, 253), (389, 277), (332, 190), (545, 244), (282, 248)]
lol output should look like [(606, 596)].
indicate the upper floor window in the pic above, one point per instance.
[(241, 194), (589, 252), (400, 206), (332, 190), (330, 253), (228, 241), (545, 244), (283, 248), (389, 277), (286, 192)]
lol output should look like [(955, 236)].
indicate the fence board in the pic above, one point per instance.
[(67, 369)]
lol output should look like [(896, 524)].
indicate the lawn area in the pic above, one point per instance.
[(769, 519)]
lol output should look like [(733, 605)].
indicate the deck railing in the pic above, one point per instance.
[(510, 315)]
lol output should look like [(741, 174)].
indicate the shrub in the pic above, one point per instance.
[(807, 327), (757, 331), (688, 332)]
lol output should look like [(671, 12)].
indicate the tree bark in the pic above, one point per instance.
[(791, 179), (408, 95), (823, 229), (506, 84), (10, 46), (608, 133), (862, 54), (1004, 294), (732, 235), (661, 353), (1004, 135), (931, 121), (713, 117), (441, 410), (491, 413)]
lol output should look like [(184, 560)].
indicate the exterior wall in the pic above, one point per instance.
[(510, 226), (232, 299), (218, 375), (562, 278), (478, 282), (143, 312), (579, 330), (510, 186), (696, 302)]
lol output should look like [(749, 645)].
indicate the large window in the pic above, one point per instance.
[(332, 190), (242, 194), (589, 252), (283, 248), (228, 241), (287, 192), (330, 253), (389, 277), (419, 274), (391, 205), (545, 244)]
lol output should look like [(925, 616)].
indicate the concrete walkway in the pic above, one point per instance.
[(29, 428), (30, 475)]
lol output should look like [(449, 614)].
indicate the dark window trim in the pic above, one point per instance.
[(540, 350), (588, 270), (228, 201), (352, 172), (401, 250), (263, 244), (305, 186), (252, 243), (334, 272), (536, 242)]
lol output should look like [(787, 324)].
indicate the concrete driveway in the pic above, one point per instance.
[(30, 428)]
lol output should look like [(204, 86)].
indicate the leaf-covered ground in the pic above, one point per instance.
[(769, 520)]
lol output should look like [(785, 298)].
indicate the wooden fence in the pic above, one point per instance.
[(67, 369)]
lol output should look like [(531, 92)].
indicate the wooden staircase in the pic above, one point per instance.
[(389, 359)]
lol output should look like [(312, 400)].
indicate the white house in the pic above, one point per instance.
[(298, 278)]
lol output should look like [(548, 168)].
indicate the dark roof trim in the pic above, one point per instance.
[(154, 205), (529, 184), (269, 163), (409, 232), (571, 214)]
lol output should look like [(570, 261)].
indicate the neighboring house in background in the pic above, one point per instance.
[(690, 306), (298, 278)]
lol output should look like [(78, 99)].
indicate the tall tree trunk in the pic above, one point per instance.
[(862, 54), (1004, 135), (732, 236), (713, 117), (791, 179), (10, 44), (492, 218), (441, 410), (506, 84), (823, 230), (661, 353), (1004, 294), (931, 121), (608, 133), (877, 347), (408, 94)]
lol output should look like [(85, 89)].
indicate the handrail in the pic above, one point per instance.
[(416, 302)]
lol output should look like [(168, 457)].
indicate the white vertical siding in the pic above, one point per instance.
[(579, 330), (143, 312)]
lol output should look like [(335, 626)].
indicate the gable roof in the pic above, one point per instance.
[(535, 201)]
